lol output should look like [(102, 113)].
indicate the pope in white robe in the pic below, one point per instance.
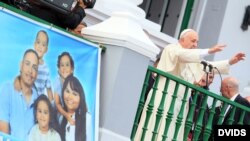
[(182, 60)]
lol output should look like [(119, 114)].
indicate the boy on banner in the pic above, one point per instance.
[(42, 83)]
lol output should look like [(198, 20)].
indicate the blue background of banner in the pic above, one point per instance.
[(18, 35)]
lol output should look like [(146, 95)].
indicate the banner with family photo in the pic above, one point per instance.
[(49, 81)]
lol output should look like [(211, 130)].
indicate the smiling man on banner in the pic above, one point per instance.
[(16, 114)]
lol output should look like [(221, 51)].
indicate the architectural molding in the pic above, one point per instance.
[(122, 29), (104, 8), (107, 135)]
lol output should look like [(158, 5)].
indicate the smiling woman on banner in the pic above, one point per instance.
[(74, 104)]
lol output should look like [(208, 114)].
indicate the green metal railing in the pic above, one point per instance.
[(188, 121)]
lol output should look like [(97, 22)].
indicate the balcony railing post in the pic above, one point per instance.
[(150, 108), (160, 110), (189, 120), (208, 129), (242, 115), (199, 124), (222, 114), (170, 112), (180, 115), (231, 118), (141, 104)]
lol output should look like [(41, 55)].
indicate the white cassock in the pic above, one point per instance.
[(185, 64)]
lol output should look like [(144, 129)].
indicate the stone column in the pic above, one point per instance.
[(123, 66)]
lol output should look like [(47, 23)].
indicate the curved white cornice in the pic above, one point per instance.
[(133, 23), (122, 29), (111, 6)]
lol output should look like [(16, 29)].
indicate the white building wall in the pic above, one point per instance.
[(237, 40)]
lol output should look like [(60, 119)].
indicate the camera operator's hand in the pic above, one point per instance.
[(81, 4)]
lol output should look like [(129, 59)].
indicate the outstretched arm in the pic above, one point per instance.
[(224, 65), (236, 58), (216, 48)]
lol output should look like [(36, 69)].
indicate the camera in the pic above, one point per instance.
[(89, 3)]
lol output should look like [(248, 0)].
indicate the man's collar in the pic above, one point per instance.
[(234, 97)]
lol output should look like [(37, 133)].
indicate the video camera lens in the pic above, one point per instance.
[(89, 3)]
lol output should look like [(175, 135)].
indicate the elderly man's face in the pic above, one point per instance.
[(29, 68), (190, 41), (225, 89)]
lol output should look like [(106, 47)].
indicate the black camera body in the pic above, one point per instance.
[(57, 12), (89, 3), (64, 6)]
